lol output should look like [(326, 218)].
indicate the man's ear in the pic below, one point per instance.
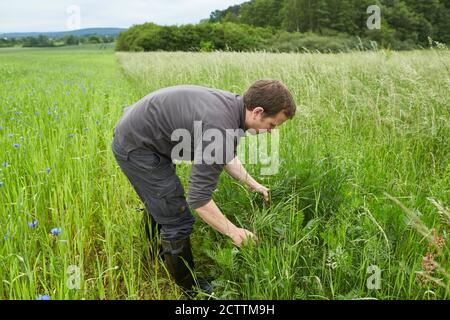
[(258, 111)]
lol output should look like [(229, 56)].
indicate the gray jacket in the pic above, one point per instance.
[(151, 121)]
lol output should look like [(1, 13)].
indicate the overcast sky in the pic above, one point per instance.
[(62, 15)]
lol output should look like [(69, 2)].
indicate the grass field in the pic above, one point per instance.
[(363, 188)]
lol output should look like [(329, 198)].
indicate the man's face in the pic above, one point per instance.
[(261, 123)]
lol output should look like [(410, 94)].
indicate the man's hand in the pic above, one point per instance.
[(212, 215), (263, 190), (242, 236)]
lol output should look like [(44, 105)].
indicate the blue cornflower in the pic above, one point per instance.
[(33, 224), (1, 127), (16, 145), (55, 231), (5, 164), (48, 170), (6, 236), (44, 297), (10, 135), (2, 184), (97, 122), (71, 135)]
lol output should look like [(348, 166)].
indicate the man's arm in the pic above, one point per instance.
[(212, 215), (235, 169)]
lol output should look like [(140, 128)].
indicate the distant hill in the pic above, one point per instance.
[(61, 34)]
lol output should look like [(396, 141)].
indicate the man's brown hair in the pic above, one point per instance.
[(271, 95)]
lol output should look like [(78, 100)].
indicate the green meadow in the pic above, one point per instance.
[(359, 206)]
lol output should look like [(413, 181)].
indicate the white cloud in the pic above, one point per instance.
[(51, 15)]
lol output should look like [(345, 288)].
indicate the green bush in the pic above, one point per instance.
[(204, 36)]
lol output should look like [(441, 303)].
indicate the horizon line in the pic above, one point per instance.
[(171, 24)]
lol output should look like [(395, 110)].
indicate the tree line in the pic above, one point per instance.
[(44, 41), (402, 20), (297, 25)]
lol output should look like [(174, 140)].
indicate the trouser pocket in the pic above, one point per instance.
[(145, 159), (167, 203), (119, 153)]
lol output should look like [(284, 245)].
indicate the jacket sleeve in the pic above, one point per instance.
[(202, 182)]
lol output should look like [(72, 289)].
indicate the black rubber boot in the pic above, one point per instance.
[(180, 264)]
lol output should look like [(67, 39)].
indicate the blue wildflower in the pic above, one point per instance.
[(48, 170), (97, 122), (10, 135), (2, 184), (5, 164), (71, 135), (1, 127), (33, 224), (55, 231), (6, 237), (44, 297), (16, 145)]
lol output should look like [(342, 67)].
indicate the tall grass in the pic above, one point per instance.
[(368, 123), (60, 106), (368, 147)]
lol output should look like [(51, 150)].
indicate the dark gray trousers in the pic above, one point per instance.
[(154, 179)]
